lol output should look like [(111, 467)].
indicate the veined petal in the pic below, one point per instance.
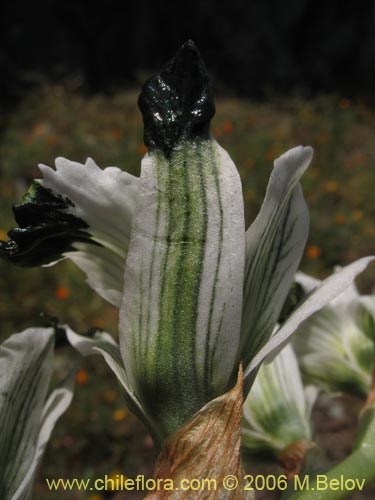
[(308, 284), (276, 412), (56, 404), (181, 310), (319, 297), (274, 247), (336, 345), (78, 211), (26, 421)]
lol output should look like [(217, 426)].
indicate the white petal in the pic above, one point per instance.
[(182, 303), (321, 296), (276, 410), (105, 200), (26, 421), (274, 246), (57, 403)]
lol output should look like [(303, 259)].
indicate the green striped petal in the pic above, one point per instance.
[(336, 345), (274, 246), (320, 296), (276, 413), (181, 310), (77, 211), (26, 418)]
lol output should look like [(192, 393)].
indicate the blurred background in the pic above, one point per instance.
[(284, 73)]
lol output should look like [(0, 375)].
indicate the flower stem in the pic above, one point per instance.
[(359, 466)]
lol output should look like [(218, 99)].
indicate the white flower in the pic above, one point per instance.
[(197, 295), (336, 345), (276, 413)]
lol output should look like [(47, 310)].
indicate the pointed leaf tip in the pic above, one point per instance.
[(177, 102)]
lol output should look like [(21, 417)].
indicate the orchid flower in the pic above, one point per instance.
[(276, 413), (197, 295), (27, 414), (336, 345)]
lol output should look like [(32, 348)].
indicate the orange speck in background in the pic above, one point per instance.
[(344, 103), (95, 497), (116, 133), (216, 132), (270, 155), (250, 195), (340, 219), (39, 129), (330, 186), (248, 164), (313, 252), (357, 215), (81, 377), (120, 414), (142, 149), (62, 293), (110, 395), (227, 127), (3, 235), (51, 140), (99, 323)]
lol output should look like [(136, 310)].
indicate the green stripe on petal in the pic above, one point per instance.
[(336, 345), (77, 211), (57, 403), (181, 312), (26, 420), (322, 295), (276, 412), (274, 247)]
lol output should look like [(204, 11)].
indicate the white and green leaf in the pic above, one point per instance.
[(274, 246), (57, 403), (26, 419), (322, 295), (336, 345), (181, 312), (276, 412)]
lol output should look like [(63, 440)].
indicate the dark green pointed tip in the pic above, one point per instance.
[(178, 102), (46, 230)]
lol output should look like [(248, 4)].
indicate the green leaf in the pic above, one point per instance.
[(274, 246)]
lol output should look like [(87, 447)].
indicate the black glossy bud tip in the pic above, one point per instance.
[(46, 230), (178, 102)]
